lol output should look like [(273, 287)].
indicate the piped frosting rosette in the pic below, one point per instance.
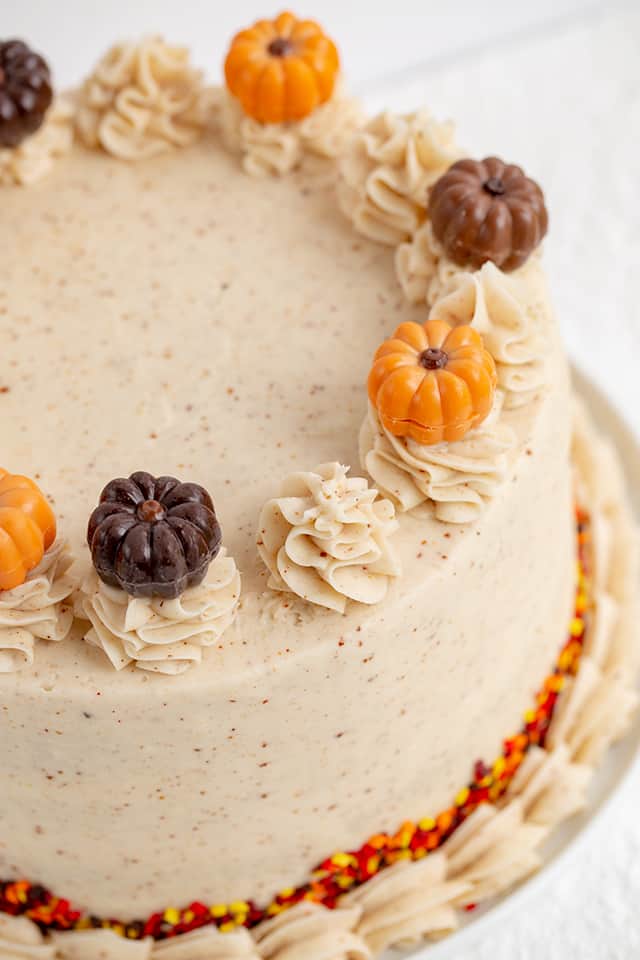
[(284, 105), (143, 99), (35, 583), (35, 156), (157, 634), (162, 588), (434, 434), (386, 171), (493, 303), (38, 609), (326, 538), (278, 148), (454, 481), (422, 268)]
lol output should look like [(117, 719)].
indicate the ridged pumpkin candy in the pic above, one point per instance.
[(487, 210), (27, 528), (153, 536), (432, 382), (281, 70)]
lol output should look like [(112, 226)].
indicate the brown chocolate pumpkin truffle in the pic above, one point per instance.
[(153, 536), (25, 92), (487, 210)]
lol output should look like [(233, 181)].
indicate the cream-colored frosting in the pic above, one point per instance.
[(161, 636), (501, 308), (20, 939), (492, 850), (207, 944), (550, 786), (386, 171), (33, 158), (265, 378), (309, 931), (99, 945), (452, 480), (142, 99), (596, 706), (278, 148), (326, 538), (39, 609), (424, 271), (407, 903)]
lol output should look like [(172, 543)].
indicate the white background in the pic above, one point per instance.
[(551, 84)]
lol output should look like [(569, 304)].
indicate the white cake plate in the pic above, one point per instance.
[(611, 772)]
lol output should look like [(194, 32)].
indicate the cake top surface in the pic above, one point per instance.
[(173, 314), (183, 318)]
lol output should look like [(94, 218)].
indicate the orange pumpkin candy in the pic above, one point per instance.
[(281, 70), (27, 528), (432, 382)]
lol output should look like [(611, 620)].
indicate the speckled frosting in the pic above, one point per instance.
[(226, 336)]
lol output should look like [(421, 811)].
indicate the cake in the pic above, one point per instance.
[(318, 586)]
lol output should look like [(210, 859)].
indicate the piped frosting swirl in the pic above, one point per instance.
[(422, 267), (326, 538), (159, 635), (278, 148), (35, 156), (39, 609), (142, 99), (494, 304), (452, 480), (386, 171)]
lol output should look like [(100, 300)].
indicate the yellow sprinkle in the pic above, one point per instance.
[(577, 627), (218, 910), (462, 797), (344, 882), (285, 894), (428, 823), (499, 766), (402, 855), (227, 927), (188, 916), (529, 716), (239, 906), (171, 916), (341, 860), (274, 909)]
